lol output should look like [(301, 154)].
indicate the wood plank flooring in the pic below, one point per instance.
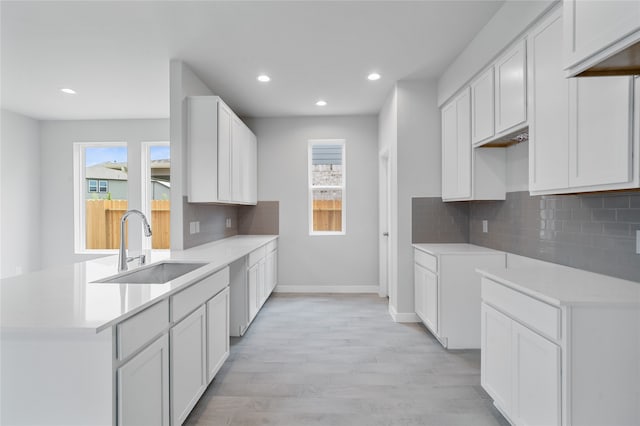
[(334, 360)]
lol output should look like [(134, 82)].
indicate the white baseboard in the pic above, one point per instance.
[(403, 316), (326, 289)]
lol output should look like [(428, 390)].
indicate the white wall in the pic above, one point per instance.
[(20, 192), (511, 20), (333, 263), (182, 83), (419, 170), (56, 179), (410, 130)]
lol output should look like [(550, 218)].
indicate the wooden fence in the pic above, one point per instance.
[(103, 223), (327, 215)]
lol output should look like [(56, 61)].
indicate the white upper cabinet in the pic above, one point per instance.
[(549, 102), (456, 148), (596, 34), (511, 89), (499, 97), (581, 130), (482, 107), (468, 173), (221, 154)]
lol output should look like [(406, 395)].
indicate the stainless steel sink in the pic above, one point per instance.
[(157, 273)]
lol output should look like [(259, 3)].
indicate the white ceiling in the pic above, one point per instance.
[(116, 54)]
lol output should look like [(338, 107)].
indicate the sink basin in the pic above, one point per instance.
[(157, 273)]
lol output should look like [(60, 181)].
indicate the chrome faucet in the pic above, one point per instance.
[(122, 254)]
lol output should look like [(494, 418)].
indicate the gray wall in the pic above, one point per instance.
[(346, 260), (20, 194)]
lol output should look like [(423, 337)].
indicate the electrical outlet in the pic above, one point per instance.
[(485, 226), (638, 241), (228, 222), (194, 227)]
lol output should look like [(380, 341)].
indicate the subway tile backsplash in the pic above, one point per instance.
[(595, 232), (436, 222)]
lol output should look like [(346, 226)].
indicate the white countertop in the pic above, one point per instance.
[(454, 248), (561, 285), (65, 297)]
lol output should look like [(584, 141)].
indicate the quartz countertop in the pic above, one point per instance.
[(561, 285), (454, 248), (67, 298)]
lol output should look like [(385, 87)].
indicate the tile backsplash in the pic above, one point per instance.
[(436, 222), (596, 232)]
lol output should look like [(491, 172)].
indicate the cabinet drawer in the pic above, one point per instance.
[(271, 246), (425, 259), (257, 255), (133, 333), (539, 315), (197, 294)]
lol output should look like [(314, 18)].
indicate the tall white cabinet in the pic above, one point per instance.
[(447, 290), (221, 154), (595, 147)]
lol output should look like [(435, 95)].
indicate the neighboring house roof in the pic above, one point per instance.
[(101, 172), (162, 182)]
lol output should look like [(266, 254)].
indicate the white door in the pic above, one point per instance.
[(384, 207), (143, 387), (511, 88), (431, 301), (601, 134), (482, 107), (217, 332), (224, 152), (496, 356), (536, 379), (549, 90), (253, 283), (188, 364), (419, 282)]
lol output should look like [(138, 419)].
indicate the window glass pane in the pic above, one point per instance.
[(107, 167), (326, 165), (93, 185), (327, 210), (160, 195)]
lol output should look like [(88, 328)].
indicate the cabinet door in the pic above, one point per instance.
[(591, 26), (188, 364), (143, 387), (495, 355), (536, 379), (217, 332), (419, 282), (239, 136), (549, 100), (225, 148), (431, 300), (456, 148), (601, 134), (270, 271), (253, 283), (250, 181), (511, 88), (482, 107)]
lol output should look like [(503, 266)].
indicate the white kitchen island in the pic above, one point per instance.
[(560, 346), (76, 352)]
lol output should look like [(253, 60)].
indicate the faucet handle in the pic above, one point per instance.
[(143, 259)]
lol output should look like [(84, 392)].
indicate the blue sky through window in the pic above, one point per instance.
[(118, 154)]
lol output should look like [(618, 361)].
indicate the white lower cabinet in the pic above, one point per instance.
[(143, 387), (188, 364), (217, 333), (254, 282), (495, 353), (447, 290)]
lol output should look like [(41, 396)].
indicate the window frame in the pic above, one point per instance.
[(311, 187), (106, 187), (95, 185), (79, 211)]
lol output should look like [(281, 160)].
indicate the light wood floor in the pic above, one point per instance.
[(334, 360)]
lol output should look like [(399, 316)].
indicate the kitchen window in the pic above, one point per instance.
[(327, 173), (101, 184)]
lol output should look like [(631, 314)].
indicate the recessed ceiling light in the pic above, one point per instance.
[(264, 78), (321, 103), (68, 91), (374, 76)]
